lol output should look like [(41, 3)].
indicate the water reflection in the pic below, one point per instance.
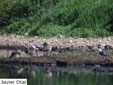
[(49, 72), (53, 76)]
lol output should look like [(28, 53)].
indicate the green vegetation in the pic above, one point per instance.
[(47, 18)]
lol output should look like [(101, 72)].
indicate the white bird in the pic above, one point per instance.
[(101, 53), (34, 46)]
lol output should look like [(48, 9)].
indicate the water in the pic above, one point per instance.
[(48, 76)]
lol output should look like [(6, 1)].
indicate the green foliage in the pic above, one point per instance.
[(76, 18), (50, 30)]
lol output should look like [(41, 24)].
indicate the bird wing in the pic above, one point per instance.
[(102, 53)]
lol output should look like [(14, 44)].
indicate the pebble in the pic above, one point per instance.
[(71, 41)]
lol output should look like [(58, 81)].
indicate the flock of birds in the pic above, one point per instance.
[(32, 72), (100, 51), (36, 48)]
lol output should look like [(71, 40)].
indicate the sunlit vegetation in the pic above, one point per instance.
[(47, 18)]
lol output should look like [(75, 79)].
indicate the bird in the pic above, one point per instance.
[(100, 52), (14, 54), (47, 47), (45, 44), (34, 46)]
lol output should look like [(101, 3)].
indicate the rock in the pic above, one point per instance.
[(55, 48), (71, 41), (61, 63), (61, 37), (5, 34), (26, 34), (100, 41), (90, 48), (36, 37), (97, 66), (83, 65)]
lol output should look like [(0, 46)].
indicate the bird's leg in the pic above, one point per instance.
[(36, 52)]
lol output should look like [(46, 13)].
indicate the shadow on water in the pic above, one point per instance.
[(54, 76)]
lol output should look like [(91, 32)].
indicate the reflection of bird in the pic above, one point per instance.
[(14, 54), (30, 71), (20, 71), (17, 69), (100, 52), (48, 72)]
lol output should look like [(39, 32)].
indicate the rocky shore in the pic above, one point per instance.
[(55, 41), (56, 50)]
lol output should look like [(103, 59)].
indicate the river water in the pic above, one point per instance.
[(48, 76)]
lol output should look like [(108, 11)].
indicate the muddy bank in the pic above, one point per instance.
[(54, 67), (60, 60), (57, 51)]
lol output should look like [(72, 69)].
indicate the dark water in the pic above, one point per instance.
[(47, 76)]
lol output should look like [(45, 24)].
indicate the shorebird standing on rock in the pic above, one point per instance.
[(100, 52), (36, 48), (47, 47)]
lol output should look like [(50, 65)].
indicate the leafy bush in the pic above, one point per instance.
[(47, 18), (50, 30)]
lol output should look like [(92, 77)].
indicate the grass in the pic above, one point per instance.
[(77, 54)]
